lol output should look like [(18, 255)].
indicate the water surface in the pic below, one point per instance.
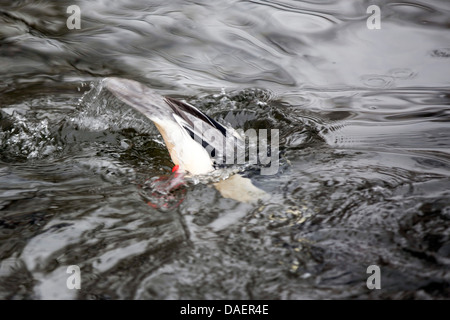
[(364, 175)]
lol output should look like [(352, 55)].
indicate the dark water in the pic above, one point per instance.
[(364, 177)]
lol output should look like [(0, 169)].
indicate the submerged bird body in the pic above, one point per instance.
[(192, 138), (185, 152)]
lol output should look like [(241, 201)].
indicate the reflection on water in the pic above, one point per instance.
[(364, 150)]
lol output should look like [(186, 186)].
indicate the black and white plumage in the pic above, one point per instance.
[(194, 140)]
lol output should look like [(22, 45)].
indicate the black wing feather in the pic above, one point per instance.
[(177, 105)]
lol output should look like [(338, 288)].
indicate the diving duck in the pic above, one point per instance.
[(196, 142)]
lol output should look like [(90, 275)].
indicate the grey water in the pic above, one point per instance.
[(364, 161)]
